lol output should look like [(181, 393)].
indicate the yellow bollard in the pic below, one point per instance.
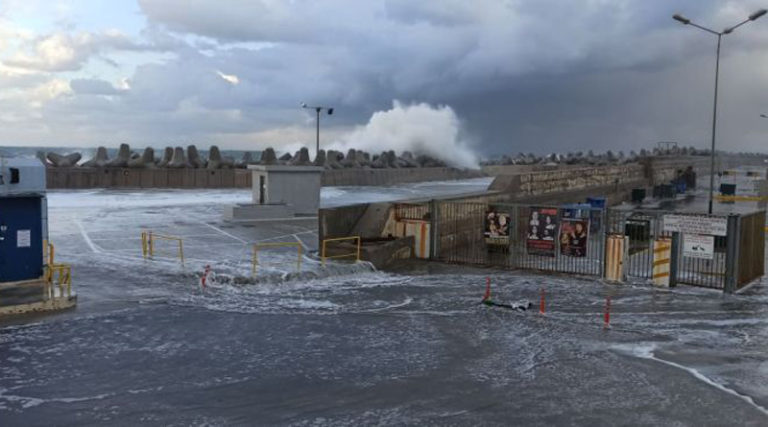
[(662, 254)]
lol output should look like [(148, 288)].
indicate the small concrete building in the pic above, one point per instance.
[(23, 219), (280, 191), (26, 283)]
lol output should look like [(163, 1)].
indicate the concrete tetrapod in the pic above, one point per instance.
[(268, 157), (217, 161), (100, 160), (301, 158), (178, 160), (65, 161), (123, 156), (193, 157), (145, 161), (167, 156)]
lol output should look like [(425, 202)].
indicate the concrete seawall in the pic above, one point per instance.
[(533, 185), (369, 177), (533, 179), (82, 178)]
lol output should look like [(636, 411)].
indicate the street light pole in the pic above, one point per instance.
[(714, 129), (719, 34), (318, 109)]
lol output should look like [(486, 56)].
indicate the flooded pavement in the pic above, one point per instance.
[(353, 346)]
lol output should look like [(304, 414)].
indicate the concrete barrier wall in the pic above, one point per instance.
[(534, 179), (80, 178), (74, 178), (566, 180), (381, 177)]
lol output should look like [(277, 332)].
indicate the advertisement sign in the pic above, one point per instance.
[(698, 246), (574, 234), (695, 224), (541, 232), (496, 228)]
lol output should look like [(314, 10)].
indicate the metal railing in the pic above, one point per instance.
[(519, 236), (324, 249), (63, 280), (62, 273), (266, 246), (148, 244)]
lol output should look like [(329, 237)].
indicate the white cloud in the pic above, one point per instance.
[(230, 78), (64, 51)]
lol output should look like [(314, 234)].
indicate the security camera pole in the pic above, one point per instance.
[(719, 35), (318, 109)]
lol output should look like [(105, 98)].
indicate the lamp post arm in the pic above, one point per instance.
[(693, 24), (730, 29)]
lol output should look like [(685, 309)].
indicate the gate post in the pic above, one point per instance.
[(434, 230), (514, 234), (615, 249), (603, 232), (731, 254), (674, 258)]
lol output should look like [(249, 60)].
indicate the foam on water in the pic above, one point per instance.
[(647, 351)]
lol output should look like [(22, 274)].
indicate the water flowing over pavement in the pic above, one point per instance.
[(352, 346)]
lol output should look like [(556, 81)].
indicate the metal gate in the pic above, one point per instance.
[(531, 237), (643, 227)]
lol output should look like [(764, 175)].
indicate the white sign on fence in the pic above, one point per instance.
[(698, 246), (693, 224)]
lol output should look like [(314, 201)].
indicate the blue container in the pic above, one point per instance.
[(21, 238), (576, 210), (596, 202)]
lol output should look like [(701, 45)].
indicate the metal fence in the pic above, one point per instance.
[(751, 252), (643, 227), (543, 238)]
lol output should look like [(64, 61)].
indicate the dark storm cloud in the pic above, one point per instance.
[(522, 75)]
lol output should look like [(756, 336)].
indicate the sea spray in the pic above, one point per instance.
[(419, 128)]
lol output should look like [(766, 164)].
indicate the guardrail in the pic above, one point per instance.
[(324, 254), (64, 271), (148, 239), (63, 281), (262, 246)]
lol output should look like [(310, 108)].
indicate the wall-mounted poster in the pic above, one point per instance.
[(574, 234), (541, 231), (496, 228)]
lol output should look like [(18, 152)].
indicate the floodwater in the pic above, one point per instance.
[(347, 345)]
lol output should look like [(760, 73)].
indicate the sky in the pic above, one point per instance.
[(455, 77)]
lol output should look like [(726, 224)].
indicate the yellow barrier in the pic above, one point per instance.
[(662, 253), (355, 254), (51, 269), (261, 246), (64, 279), (148, 244), (47, 252)]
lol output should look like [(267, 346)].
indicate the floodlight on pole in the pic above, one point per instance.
[(317, 109), (685, 21)]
